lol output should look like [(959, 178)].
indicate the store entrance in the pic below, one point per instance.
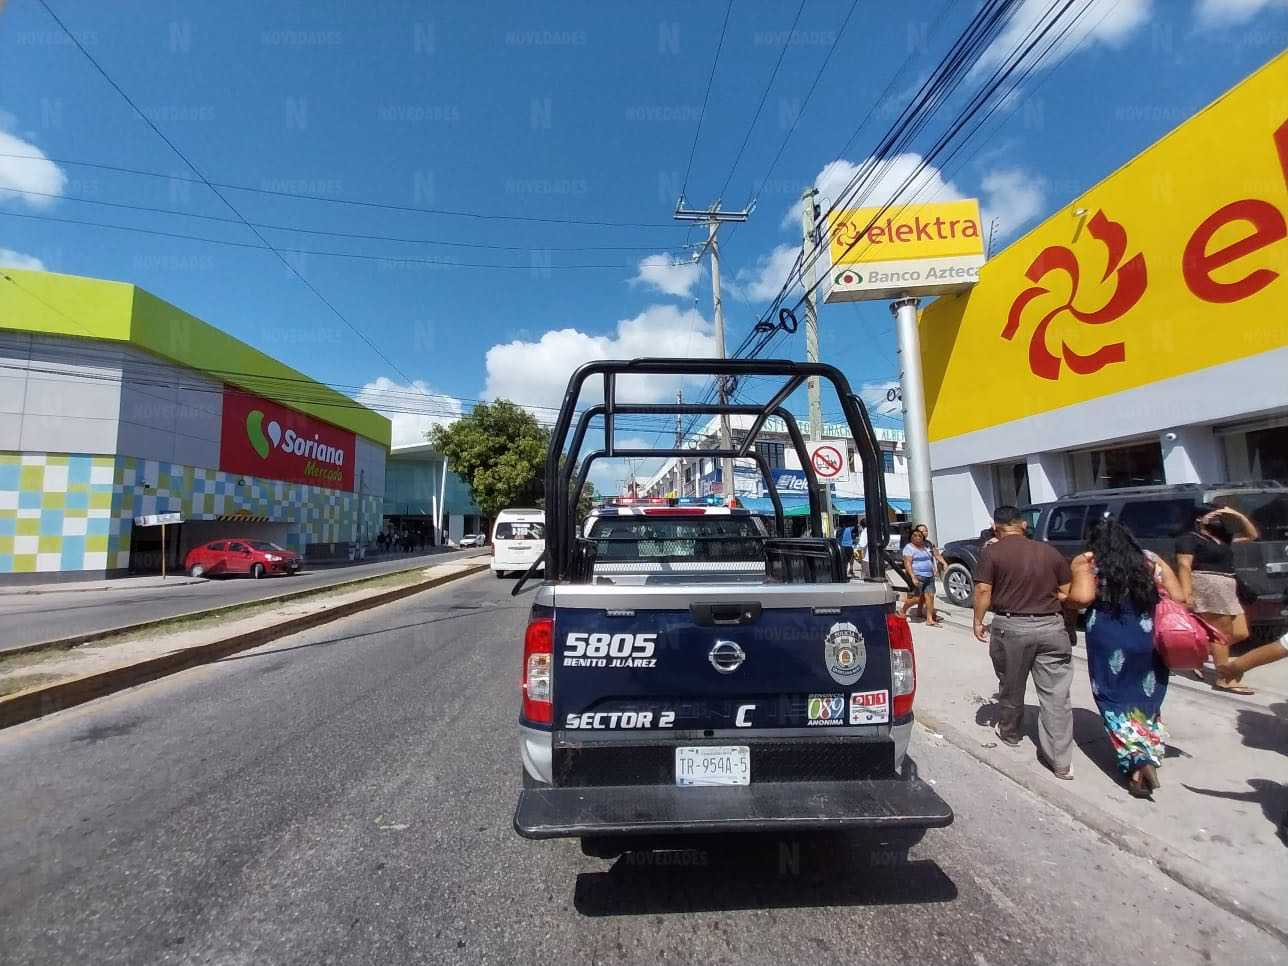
[(145, 549)]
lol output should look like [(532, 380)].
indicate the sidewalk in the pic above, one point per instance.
[(1225, 780)]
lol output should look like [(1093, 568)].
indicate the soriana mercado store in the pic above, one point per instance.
[(117, 408), (1137, 336)]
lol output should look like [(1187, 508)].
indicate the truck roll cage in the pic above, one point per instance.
[(563, 490)]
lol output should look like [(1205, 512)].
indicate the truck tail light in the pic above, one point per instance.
[(903, 665), (538, 658)]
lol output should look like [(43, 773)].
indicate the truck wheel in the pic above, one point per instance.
[(499, 574), (959, 585), (257, 571)]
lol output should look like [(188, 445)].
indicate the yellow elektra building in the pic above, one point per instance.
[(1137, 336)]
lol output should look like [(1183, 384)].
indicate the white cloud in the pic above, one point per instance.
[(1231, 13), (896, 181), (1014, 197), (32, 173), (536, 373), (412, 409), (662, 273), (762, 282), (1107, 22), (11, 259)]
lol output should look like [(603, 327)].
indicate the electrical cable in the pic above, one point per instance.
[(335, 200), (76, 41), (684, 185), (773, 75)]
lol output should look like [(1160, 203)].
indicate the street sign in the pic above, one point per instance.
[(158, 519), (916, 249), (829, 462)]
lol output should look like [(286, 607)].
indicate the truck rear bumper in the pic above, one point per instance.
[(906, 803)]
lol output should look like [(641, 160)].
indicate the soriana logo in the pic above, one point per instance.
[(263, 438)]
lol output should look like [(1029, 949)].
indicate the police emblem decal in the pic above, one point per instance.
[(844, 653)]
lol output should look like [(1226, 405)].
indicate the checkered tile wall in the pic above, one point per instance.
[(66, 512)]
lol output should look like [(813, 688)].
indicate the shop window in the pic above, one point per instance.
[(1011, 484), (887, 461), (773, 454), (1140, 464), (1154, 519)]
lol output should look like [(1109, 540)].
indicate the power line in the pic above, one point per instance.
[(773, 74), (131, 206), (684, 186), (218, 194), (279, 250), (328, 199)]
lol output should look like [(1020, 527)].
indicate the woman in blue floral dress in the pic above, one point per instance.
[(1118, 583)]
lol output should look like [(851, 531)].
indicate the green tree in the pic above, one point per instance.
[(500, 449)]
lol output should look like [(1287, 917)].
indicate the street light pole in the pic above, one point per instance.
[(914, 412)]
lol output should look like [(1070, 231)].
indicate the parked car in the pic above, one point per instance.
[(1157, 515), (241, 555), (471, 540)]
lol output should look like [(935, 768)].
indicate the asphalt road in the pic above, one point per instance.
[(346, 795), (26, 618)]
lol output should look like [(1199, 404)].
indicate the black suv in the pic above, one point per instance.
[(1157, 515)]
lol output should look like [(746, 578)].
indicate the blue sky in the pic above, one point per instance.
[(582, 111)]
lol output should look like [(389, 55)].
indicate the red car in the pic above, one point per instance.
[(240, 556)]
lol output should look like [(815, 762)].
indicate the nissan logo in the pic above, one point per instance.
[(726, 657)]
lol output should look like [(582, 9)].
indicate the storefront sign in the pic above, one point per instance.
[(921, 249), (158, 519), (263, 438), (1173, 264)]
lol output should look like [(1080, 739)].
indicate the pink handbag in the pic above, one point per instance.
[(1180, 637)]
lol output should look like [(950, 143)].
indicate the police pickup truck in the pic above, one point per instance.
[(690, 669)]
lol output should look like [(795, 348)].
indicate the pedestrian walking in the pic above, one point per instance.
[(1024, 583), (847, 549), (919, 561), (1117, 581), (1205, 565), (861, 544)]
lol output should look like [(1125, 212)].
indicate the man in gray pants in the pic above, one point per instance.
[(1023, 583)]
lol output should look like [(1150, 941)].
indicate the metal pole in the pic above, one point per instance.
[(914, 412), (809, 241), (726, 465), (163, 551)]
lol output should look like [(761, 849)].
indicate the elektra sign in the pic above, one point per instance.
[(265, 439)]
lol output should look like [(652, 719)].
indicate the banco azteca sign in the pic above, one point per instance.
[(262, 438)]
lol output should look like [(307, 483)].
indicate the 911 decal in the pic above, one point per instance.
[(869, 707), (610, 650)]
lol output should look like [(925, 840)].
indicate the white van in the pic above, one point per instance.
[(518, 538)]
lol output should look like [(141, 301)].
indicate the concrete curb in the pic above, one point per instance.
[(37, 702), (1181, 868), (75, 640)]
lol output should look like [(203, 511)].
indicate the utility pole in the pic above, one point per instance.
[(679, 443), (714, 217), (809, 242), (916, 439)]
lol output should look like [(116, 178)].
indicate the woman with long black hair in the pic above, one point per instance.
[(1118, 583)]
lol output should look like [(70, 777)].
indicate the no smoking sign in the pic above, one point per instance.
[(829, 462)]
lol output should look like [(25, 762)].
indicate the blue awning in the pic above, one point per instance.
[(795, 506)]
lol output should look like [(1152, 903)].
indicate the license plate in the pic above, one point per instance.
[(728, 765)]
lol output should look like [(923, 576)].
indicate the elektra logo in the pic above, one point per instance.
[(1129, 281)]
